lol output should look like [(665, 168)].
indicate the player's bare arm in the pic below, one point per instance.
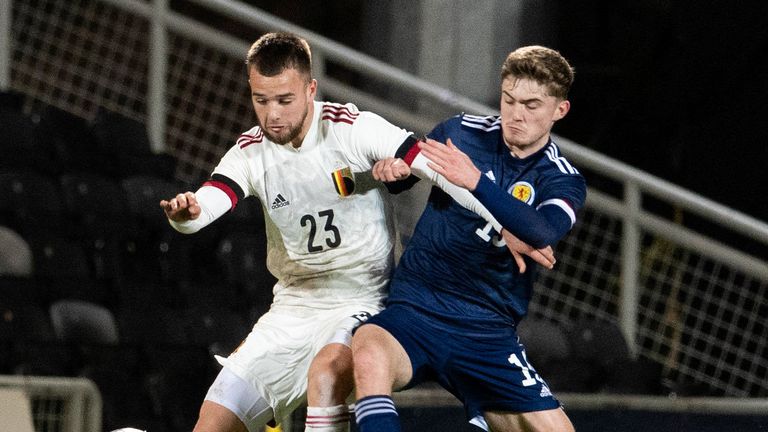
[(450, 162), (390, 169), (182, 207)]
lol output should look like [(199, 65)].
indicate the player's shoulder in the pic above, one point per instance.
[(479, 124), (336, 114), (250, 139), (553, 160)]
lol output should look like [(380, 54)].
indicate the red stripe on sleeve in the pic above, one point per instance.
[(226, 189), (412, 153)]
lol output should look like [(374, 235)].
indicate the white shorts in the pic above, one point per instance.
[(236, 395), (276, 355)]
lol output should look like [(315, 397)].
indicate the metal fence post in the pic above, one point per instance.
[(630, 265), (5, 44), (158, 48)]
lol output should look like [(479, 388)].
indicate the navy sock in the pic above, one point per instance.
[(376, 414)]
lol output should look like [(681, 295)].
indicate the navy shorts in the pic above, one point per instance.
[(487, 371)]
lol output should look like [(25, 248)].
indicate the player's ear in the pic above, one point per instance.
[(562, 109), (312, 88)]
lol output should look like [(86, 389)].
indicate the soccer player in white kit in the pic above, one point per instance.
[(329, 240)]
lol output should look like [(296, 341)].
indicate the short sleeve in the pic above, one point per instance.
[(372, 138)]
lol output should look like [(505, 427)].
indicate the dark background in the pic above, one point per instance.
[(674, 88)]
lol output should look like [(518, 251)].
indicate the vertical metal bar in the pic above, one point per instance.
[(158, 49), (74, 411), (5, 44), (630, 265)]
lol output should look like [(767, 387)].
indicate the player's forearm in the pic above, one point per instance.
[(462, 196), (537, 228), (213, 203)]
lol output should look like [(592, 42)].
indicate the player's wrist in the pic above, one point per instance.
[(474, 180)]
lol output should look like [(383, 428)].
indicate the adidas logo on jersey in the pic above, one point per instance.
[(545, 392), (279, 202)]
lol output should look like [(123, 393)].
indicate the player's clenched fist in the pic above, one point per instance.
[(390, 169), (182, 208)]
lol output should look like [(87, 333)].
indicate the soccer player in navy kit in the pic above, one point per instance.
[(457, 295)]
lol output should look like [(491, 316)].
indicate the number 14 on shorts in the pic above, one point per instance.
[(531, 377)]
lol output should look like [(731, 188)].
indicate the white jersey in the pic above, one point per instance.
[(329, 227)]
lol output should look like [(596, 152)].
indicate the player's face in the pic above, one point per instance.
[(528, 114), (283, 104)]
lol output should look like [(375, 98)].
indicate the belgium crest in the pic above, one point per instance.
[(343, 181)]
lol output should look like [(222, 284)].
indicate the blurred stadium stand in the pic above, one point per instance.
[(80, 184)]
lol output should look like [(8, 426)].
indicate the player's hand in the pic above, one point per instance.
[(450, 162), (390, 169), (181, 208), (545, 257)]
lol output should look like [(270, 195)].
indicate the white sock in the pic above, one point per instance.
[(327, 419)]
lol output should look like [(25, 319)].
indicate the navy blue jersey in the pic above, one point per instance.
[(456, 266)]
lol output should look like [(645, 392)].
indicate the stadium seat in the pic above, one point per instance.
[(598, 346), (58, 258), (216, 329), (242, 257), (15, 254), (599, 340), (162, 256), (105, 253), (72, 143), (148, 324), (154, 252), (544, 340), (118, 134), (90, 198), (81, 322), (143, 194), (19, 140), (61, 270), (635, 376), (126, 139), (550, 351), (96, 208), (30, 202)]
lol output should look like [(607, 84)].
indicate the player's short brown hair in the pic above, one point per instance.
[(275, 52), (543, 65)]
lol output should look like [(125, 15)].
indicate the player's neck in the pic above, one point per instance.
[(299, 140)]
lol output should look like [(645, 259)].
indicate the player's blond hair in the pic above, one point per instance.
[(543, 65)]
